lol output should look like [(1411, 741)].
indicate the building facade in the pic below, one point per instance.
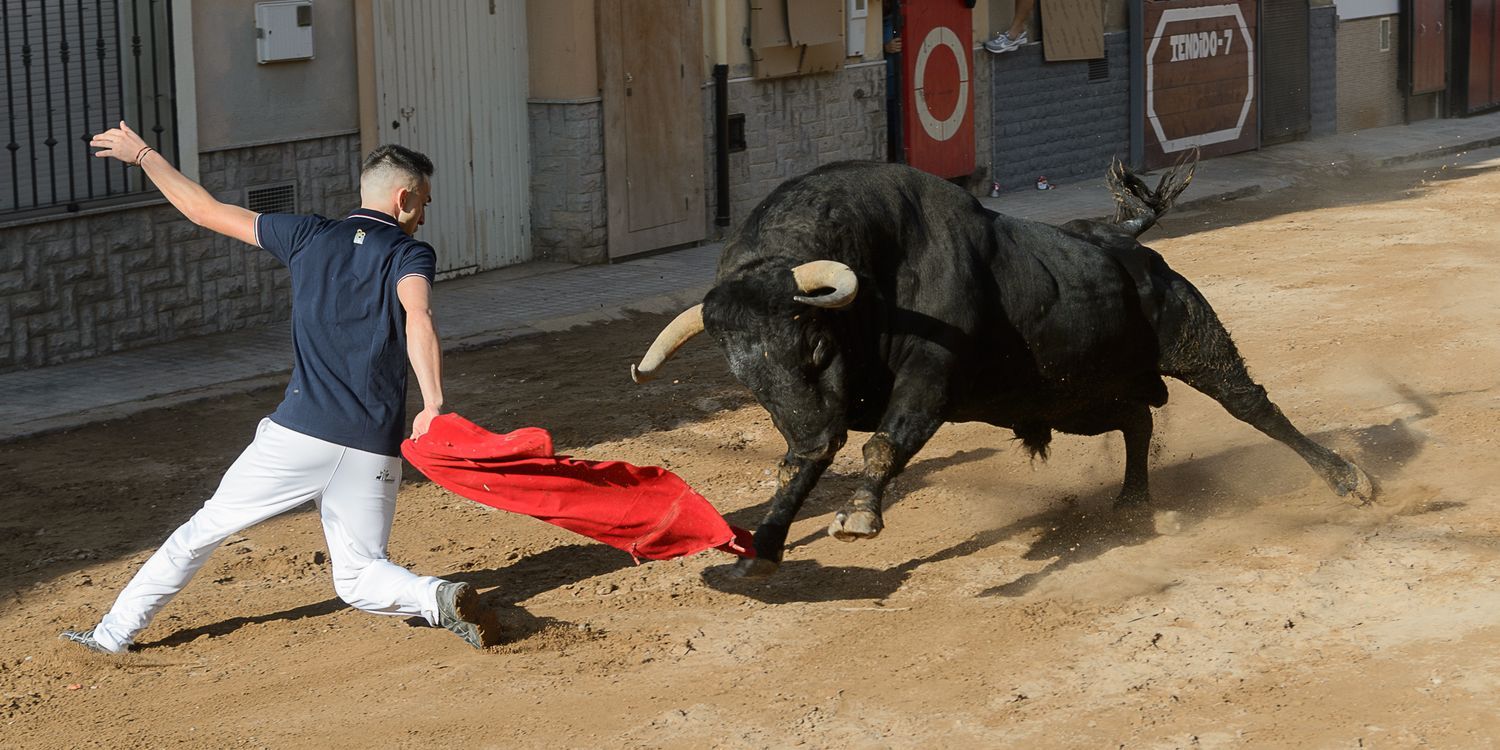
[(588, 131)]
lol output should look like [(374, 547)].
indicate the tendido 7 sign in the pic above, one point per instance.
[(1200, 78)]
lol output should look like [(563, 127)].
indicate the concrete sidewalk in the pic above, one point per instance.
[(501, 305)]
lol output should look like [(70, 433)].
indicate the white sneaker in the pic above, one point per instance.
[(1002, 42), (84, 638)]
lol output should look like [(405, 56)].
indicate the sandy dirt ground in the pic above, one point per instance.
[(1005, 605)]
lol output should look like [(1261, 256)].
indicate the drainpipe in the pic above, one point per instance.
[(721, 112)]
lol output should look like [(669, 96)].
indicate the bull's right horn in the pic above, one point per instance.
[(826, 274), (683, 327)]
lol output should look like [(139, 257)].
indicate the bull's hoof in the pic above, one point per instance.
[(1130, 499), (849, 525), (742, 571), (1357, 488), (754, 567)]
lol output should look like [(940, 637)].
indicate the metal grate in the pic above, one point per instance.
[(280, 198), (736, 135), (1285, 76), (72, 69), (1099, 69)]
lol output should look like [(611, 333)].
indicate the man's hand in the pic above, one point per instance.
[(423, 422), (891, 48), (121, 143)]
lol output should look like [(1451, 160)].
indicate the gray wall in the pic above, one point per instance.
[(85, 285), (1049, 119), (241, 102), (1322, 48), (568, 217), (793, 125)]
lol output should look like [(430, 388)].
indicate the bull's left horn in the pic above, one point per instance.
[(826, 274), (683, 327)]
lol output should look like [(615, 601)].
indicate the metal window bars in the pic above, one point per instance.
[(73, 68)]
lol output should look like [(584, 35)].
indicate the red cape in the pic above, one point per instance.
[(644, 510)]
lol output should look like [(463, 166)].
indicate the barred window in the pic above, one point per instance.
[(74, 68)]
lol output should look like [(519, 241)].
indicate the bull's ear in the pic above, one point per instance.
[(822, 352)]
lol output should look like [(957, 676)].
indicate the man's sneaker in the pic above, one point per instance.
[(459, 610), (1002, 42), (84, 638)]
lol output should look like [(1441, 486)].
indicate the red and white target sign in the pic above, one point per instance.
[(937, 99)]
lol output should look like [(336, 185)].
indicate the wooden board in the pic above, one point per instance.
[(768, 24), (1200, 78), (775, 62), (1072, 30), (813, 22), (822, 58)]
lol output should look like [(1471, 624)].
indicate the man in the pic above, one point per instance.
[(891, 33), (360, 312)]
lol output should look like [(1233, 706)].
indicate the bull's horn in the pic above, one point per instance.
[(683, 327), (826, 274)]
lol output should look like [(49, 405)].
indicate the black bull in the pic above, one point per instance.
[(936, 310)]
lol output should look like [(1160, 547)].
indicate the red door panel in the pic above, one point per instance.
[(937, 97), (1429, 46), (1481, 54), (1494, 74)]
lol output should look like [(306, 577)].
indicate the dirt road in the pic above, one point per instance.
[(1004, 606)]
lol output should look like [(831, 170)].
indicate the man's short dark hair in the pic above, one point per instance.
[(399, 158)]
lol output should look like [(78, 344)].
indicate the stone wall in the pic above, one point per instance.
[(1049, 118), (568, 216), (793, 125), (81, 285)]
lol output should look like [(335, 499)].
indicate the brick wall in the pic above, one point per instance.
[(1368, 96), (1050, 119), (568, 216), (80, 286), (1322, 49)]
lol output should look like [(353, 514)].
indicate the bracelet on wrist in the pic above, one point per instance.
[(139, 155)]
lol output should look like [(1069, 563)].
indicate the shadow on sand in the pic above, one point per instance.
[(1197, 489)]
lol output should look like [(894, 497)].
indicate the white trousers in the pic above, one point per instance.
[(282, 469)]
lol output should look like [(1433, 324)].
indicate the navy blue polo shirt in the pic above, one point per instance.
[(348, 327)]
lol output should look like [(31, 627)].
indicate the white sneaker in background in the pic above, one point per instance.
[(1002, 42)]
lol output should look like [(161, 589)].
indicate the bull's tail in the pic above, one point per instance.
[(1137, 207)]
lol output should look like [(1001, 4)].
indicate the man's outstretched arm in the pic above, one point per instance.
[(187, 196), (422, 348)]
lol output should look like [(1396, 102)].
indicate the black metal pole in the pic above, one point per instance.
[(156, 126), (721, 144), (10, 112), (172, 79), (135, 51), (83, 90), (51, 141), (119, 85), (1137, 31), (30, 103), (65, 52)]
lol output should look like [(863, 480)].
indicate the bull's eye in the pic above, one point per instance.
[(822, 353)]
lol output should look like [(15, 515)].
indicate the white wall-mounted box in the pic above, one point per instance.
[(283, 31), (854, 39)]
